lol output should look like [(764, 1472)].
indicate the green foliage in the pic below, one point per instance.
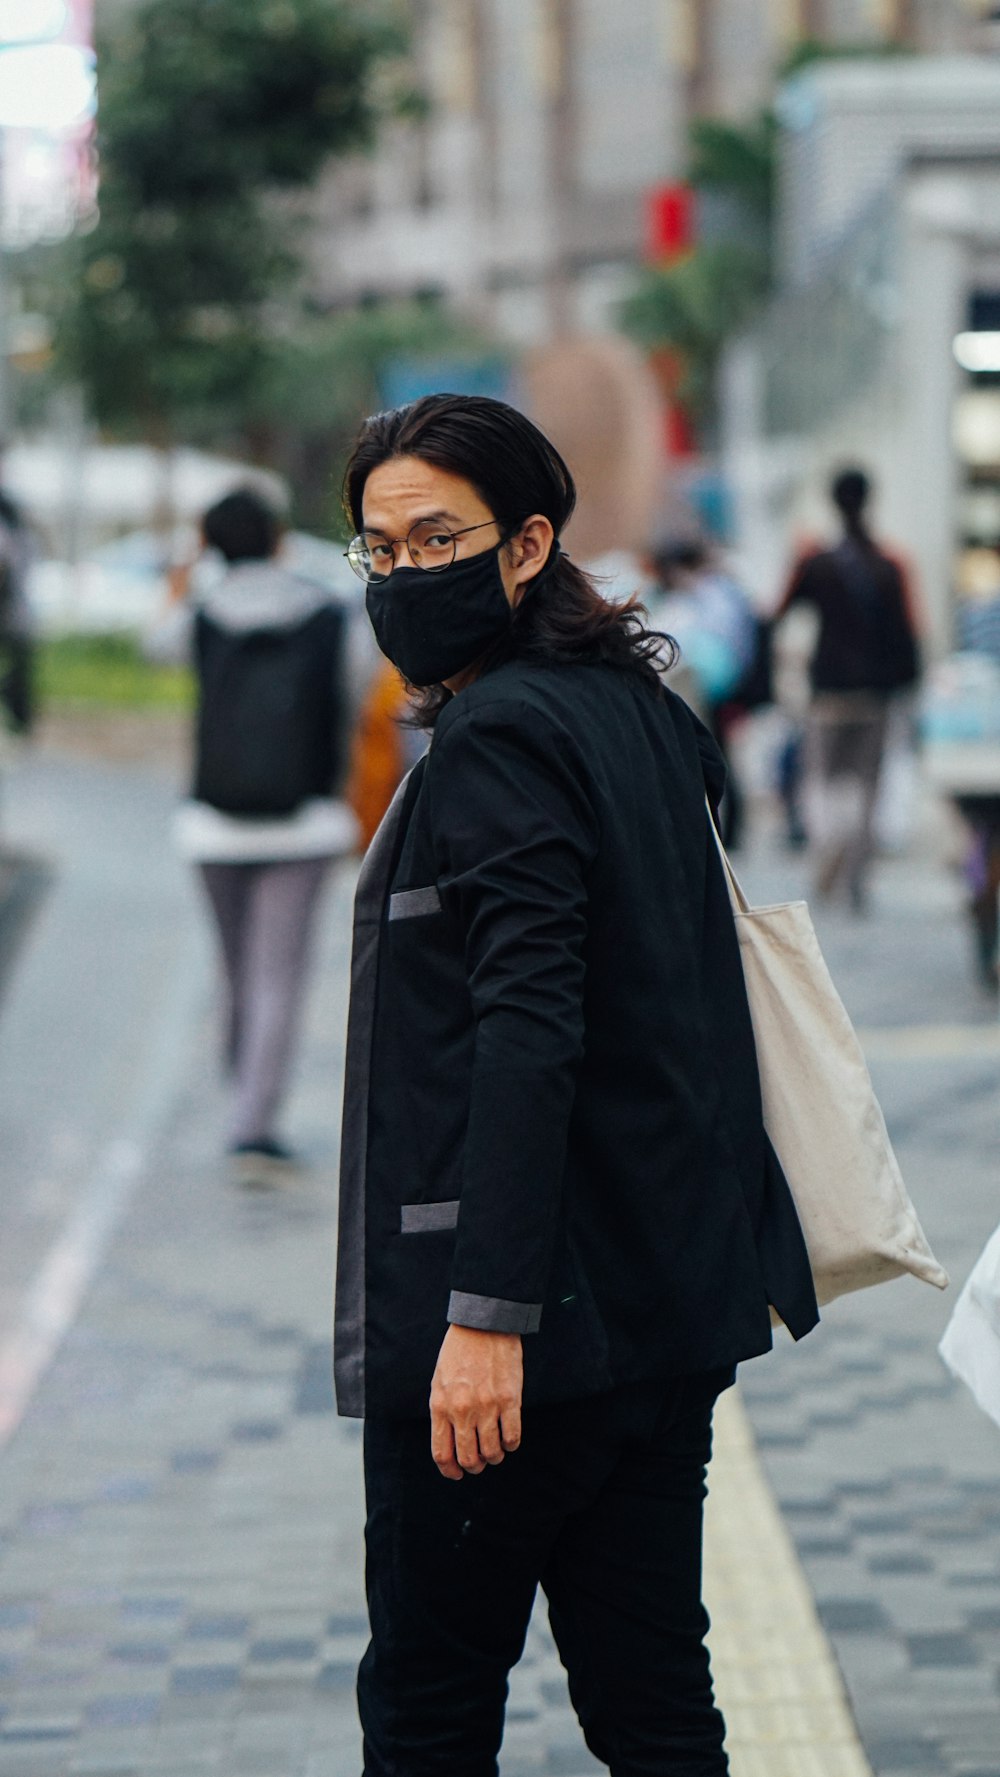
[(203, 101), (327, 374), (213, 113), (693, 307), (736, 161), (327, 371), (107, 672)]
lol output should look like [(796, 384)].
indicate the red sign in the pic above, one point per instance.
[(670, 222)]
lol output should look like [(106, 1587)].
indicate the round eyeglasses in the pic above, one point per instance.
[(428, 545)]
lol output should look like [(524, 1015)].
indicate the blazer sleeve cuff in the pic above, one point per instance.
[(491, 1314)]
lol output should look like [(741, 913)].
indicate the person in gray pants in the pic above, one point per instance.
[(264, 915), (263, 823)]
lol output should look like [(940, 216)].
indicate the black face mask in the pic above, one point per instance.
[(431, 625)]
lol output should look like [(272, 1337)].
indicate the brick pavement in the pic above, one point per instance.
[(887, 1475), (180, 1584), (180, 1516)]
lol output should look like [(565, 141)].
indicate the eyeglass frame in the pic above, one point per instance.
[(396, 542)]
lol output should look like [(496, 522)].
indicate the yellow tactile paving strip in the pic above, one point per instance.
[(776, 1679)]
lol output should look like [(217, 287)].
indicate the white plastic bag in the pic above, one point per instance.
[(971, 1343)]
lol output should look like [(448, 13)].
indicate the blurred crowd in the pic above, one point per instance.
[(303, 733), (815, 696)]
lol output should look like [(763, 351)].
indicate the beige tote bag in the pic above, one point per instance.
[(820, 1109)]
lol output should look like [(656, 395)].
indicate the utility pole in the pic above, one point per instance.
[(701, 74), (904, 22), (812, 21), (561, 46)]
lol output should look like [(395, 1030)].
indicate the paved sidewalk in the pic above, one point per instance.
[(887, 1474), (180, 1514), (107, 978), (180, 1534)]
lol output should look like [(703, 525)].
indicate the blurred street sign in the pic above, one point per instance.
[(407, 379), (670, 222)]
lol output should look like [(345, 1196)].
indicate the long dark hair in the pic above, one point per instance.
[(516, 472)]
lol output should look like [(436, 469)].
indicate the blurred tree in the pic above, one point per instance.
[(684, 313), (685, 310), (320, 377), (737, 162), (215, 116)]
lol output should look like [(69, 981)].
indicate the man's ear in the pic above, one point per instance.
[(532, 547)]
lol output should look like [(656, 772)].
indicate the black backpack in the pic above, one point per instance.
[(755, 688), (268, 722), (882, 634)]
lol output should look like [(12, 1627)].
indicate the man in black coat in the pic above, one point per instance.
[(561, 1067), (557, 1195)]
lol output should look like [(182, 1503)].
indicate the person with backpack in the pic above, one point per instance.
[(263, 822), (866, 653)]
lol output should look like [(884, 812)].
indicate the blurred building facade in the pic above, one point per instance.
[(889, 255), (522, 195)]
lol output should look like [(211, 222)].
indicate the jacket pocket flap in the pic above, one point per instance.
[(428, 1218), (412, 903)]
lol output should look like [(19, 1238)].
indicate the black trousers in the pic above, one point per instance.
[(601, 1506)]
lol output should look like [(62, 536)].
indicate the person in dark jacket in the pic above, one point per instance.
[(866, 652), (561, 1221)]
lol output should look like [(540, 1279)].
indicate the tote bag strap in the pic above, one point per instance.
[(736, 894)]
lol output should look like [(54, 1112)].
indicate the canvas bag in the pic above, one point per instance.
[(820, 1109)]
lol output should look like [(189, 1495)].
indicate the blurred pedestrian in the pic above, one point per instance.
[(17, 641), (557, 1195), (264, 821), (706, 610), (866, 652), (979, 633), (384, 746), (978, 611), (962, 702)]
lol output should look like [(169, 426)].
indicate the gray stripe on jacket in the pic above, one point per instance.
[(414, 903), (428, 1218), (493, 1314), (349, 1315)]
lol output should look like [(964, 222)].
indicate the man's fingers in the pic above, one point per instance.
[(510, 1427), (475, 1400), (490, 1447), (443, 1448), (467, 1449)]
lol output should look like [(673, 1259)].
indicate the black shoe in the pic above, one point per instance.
[(263, 1162)]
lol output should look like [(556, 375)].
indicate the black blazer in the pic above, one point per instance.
[(552, 1113)]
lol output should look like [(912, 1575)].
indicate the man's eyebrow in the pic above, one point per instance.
[(424, 518)]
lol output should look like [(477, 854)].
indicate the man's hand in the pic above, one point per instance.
[(475, 1401)]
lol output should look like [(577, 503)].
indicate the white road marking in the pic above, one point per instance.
[(55, 1295)]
